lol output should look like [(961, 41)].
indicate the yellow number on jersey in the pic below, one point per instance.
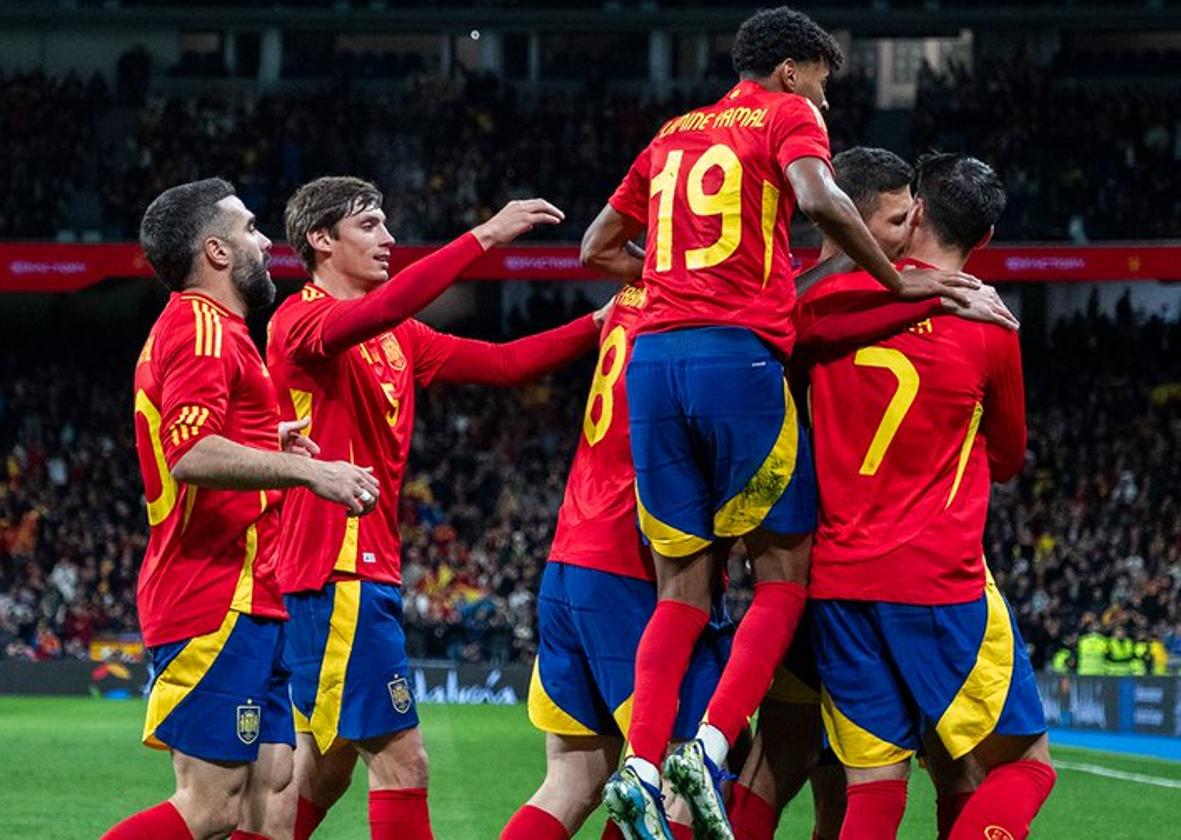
[(391, 416), (726, 202), (602, 387), (908, 388), (162, 505)]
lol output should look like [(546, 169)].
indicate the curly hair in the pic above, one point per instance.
[(771, 36)]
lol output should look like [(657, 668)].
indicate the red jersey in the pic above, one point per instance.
[(712, 192), (597, 522), (209, 551), (908, 434), (361, 401)]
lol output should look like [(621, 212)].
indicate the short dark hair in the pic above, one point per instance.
[(771, 36), (962, 197), (865, 173), (174, 223), (323, 203)]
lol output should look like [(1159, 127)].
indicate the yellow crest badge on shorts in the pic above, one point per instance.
[(400, 695), (249, 723)]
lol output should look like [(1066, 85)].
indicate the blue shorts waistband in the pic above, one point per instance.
[(696, 341)]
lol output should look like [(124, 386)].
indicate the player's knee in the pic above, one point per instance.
[(418, 768)]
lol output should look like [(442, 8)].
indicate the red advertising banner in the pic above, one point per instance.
[(55, 267)]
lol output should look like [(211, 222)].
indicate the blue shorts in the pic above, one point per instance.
[(350, 676), (220, 695), (590, 623), (717, 442), (891, 671)]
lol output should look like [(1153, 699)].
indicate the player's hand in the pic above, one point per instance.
[(516, 218), (984, 305), (603, 312), (295, 443), (346, 484), (931, 282)]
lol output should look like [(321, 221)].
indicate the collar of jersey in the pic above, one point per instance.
[(195, 295)]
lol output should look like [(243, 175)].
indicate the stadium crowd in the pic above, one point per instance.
[(1085, 543), (1081, 161)]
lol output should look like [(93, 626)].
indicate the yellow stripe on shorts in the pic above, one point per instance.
[(977, 706), (666, 540), (546, 714), (342, 628), (182, 675), (786, 687), (854, 746), (747, 510)]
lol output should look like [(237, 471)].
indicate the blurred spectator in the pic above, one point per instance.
[(1086, 542)]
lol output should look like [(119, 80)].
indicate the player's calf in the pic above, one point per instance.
[(1018, 780)]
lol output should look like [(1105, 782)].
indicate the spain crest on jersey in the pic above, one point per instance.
[(400, 695), (393, 352), (249, 723)]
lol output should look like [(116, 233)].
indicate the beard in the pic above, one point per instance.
[(252, 281)]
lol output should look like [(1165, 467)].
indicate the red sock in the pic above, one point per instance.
[(532, 823), (239, 834), (681, 831), (947, 810), (751, 816), (661, 662), (612, 832), (1007, 801), (163, 822), (875, 810), (308, 816), (759, 645), (399, 815)]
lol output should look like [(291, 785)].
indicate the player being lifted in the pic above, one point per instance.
[(208, 438), (787, 744), (909, 630), (597, 593), (716, 442), (347, 355)]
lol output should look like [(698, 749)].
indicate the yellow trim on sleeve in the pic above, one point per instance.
[(965, 451), (747, 510), (182, 675)]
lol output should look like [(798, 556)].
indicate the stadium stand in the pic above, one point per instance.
[(1089, 534)]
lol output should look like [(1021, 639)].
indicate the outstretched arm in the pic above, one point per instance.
[(486, 363), (415, 286)]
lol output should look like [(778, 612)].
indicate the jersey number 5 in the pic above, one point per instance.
[(908, 387)]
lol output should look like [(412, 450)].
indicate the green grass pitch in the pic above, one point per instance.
[(73, 767)]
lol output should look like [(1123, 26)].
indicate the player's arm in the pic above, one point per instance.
[(860, 316), (607, 245), (353, 321), (826, 204), (219, 463), (1003, 423), (449, 358), (196, 379)]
